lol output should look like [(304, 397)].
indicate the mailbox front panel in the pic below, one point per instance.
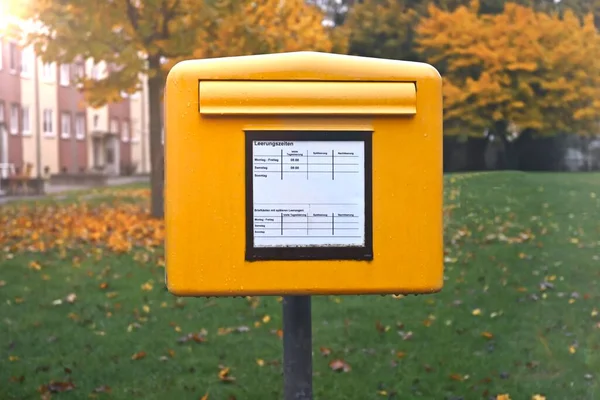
[(298, 202)]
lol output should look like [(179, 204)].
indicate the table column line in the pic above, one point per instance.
[(332, 165)]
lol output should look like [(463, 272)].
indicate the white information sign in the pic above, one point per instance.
[(308, 193)]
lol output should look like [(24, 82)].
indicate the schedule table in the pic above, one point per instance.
[(308, 193)]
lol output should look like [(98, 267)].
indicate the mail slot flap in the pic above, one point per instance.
[(307, 98)]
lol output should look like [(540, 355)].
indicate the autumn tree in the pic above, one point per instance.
[(517, 71), (132, 37), (386, 28), (244, 27)]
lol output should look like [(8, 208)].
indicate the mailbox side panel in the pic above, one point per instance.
[(408, 195)]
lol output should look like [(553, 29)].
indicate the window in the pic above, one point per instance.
[(65, 71), (79, 74), (96, 120), (96, 72), (25, 125), (80, 127), (114, 125), (125, 132), (80, 71), (13, 54), (26, 62), (65, 125), (135, 134), (2, 126), (48, 72), (14, 119), (47, 123)]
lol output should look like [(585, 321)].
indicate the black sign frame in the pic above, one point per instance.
[(359, 253)]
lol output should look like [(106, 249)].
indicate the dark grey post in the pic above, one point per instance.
[(297, 348)]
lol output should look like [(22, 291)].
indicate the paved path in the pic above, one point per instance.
[(53, 190)]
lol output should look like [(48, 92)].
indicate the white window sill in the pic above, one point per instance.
[(14, 132), (65, 136), (26, 133), (80, 137), (49, 135)]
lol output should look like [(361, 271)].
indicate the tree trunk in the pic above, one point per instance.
[(155, 90)]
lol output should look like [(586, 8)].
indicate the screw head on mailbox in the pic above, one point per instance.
[(303, 174)]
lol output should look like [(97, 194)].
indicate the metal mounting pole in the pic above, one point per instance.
[(297, 348)]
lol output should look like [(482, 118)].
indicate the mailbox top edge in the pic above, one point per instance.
[(302, 66)]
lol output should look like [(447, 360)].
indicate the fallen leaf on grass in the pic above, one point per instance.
[(381, 328), (224, 331), (224, 375), (266, 319), (339, 366), (139, 355), (487, 335), (56, 387), (325, 351), (205, 397), (17, 379), (278, 332), (476, 312), (102, 389), (146, 287), (538, 397), (35, 265), (103, 285), (400, 354), (456, 377), (260, 362), (503, 397), (71, 298), (196, 337)]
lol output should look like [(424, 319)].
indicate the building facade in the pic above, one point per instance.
[(46, 127)]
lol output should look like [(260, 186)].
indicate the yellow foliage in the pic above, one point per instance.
[(119, 227), (265, 26), (521, 67)]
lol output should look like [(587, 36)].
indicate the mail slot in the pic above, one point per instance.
[(307, 98), (303, 173)]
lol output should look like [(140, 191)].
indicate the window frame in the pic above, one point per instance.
[(48, 122), (65, 134), (25, 127), (12, 129)]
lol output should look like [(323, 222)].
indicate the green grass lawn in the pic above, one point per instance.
[(519, 313)]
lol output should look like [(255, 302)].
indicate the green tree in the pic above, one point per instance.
[(132, 37)]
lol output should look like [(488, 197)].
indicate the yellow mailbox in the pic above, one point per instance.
[(303, 173)]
